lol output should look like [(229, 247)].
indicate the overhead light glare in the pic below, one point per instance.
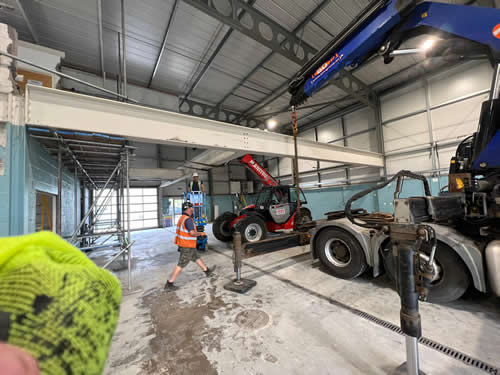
[(271, 124)]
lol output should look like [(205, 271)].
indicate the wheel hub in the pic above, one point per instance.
[(437, 271), (338, 252), (253, 232)]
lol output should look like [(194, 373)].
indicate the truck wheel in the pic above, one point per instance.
[(451, 277), (221, 229), (341, 253), (252, 229)]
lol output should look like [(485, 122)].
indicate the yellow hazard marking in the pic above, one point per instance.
[(424, 15), (460, 183)]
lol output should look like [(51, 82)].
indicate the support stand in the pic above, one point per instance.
[(238, 285), (404, 238)]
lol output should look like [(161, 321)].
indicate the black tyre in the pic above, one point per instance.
[(221, 229), (302, 219), (451, 278), (340, 253), (252, 229)]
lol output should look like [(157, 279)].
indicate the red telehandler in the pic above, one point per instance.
[(276, 210)]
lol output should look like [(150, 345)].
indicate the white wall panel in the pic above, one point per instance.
[(333, 178), (366, 141), (360, 120), (325, 164), (445, 154), (364, 174), (330, 131), (459, 83), (220, 174), (221, 187), (405, 133), (417, 162), (285, 166), (457, 120), (307, 165), (402, 102), (175, 190), (238, 172), (273, 167)]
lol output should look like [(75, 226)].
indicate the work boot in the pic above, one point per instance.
[(170, 286), (209, 271)]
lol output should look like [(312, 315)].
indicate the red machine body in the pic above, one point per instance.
[(274, 211), (259, 171)]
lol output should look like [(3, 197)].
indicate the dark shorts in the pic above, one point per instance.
[(187, 255)]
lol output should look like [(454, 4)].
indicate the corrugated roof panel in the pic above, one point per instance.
[(214, 85), (15, 19), (249, 93), (333, 18), (282, 65), (266, 79), (236, 104), (178, 72), (240, 55), (146, 19), (190, 44), (288, 13), (315, 36)]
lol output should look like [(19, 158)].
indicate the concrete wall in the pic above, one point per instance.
[(28, 168)]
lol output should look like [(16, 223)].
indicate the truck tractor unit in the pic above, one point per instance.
[(464, 222)]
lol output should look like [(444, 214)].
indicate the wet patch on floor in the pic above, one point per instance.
[(182, 334)]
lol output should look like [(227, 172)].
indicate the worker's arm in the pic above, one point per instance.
[(189, 188), (202, 187), (195, 233), (192, 229)]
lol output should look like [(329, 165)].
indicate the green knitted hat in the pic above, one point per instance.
[(56, 304)]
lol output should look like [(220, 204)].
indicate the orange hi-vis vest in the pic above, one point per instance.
[(183, 238)]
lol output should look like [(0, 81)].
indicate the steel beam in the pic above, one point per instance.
[(239, 15), (281, 41), (164, 43), (124, 49), (20, 6), (304, 22), (195, 108), (101, 41), (256, 25), (59, 191), (66, 110)]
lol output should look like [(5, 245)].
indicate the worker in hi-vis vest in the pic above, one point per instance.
[(185, 238), (196, 184)]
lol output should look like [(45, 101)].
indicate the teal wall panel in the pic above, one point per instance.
[(30, 168), (334, 199), (411, 188), (43, 178), (5, 182)]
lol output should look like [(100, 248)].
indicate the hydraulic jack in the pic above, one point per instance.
[(413, 281), (239, 285)]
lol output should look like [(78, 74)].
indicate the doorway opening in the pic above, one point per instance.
[(45, 212)]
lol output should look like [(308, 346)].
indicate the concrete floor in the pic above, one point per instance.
[(288, 324)]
